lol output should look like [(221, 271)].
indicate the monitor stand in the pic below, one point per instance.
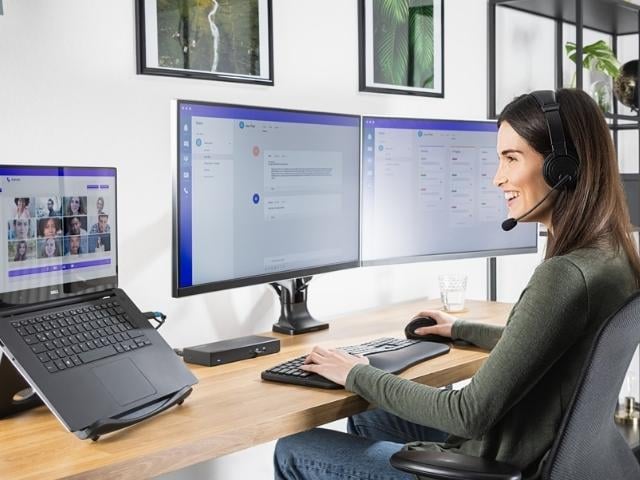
[(294, 314), (15, 393)]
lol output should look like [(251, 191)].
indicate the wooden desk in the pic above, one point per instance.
[(230, 409)]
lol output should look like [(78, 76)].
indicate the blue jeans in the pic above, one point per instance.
[(363, 453)]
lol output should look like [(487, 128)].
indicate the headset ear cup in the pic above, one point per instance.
[(557, 167), (547, 169)]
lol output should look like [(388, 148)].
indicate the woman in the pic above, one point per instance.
[(100, 206), (22, 208), (21, 251), (50, 248), (49, 227), (75, 206), (513, 406)]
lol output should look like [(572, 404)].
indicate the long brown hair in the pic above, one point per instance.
[(594, 213)]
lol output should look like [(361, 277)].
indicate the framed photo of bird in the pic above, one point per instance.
[(226, 40), (401, 46)]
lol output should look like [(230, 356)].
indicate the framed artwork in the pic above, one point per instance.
[(227, 40), (402, 46)]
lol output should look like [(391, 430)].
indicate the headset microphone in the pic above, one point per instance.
[(510, 223)]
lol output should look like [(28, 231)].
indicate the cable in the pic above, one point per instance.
[(156, 316)]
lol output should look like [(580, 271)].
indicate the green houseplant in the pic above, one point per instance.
[(597, 56)]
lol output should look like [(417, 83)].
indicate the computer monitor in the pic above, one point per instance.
[(60, 230), (264, 195), (427, 192)]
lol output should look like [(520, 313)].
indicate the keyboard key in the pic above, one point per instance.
[(51, 367), (38, 348)]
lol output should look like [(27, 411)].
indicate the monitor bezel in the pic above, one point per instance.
[(438, 256), (70, 289), (176, 290)]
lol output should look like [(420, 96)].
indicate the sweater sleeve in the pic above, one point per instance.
[(551, 313), (480, 334)]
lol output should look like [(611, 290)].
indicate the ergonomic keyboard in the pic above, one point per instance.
[(83, 334), (392, 355)]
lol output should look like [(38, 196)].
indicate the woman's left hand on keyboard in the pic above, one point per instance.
[(332, 363)]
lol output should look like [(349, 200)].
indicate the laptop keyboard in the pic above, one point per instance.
[(83, 334)]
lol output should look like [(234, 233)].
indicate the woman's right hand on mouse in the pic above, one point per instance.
[(444, 322)]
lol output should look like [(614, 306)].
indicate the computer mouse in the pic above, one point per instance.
[(410, 332), (418, 322)]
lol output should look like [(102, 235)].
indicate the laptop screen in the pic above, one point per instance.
[(60, 232)]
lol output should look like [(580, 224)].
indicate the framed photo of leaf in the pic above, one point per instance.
[(402, 46), (228, 40)]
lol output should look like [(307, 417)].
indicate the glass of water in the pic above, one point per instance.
[(452, 291)]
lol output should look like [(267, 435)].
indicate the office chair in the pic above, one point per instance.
[(588, 445)]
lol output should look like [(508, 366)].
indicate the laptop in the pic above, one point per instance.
[(77, 339)]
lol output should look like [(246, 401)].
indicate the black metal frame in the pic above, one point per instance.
[(363, 87), (143, 69)]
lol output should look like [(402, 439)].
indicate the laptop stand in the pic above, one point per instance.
[(15, 393)]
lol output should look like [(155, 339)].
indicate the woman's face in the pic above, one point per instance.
[(22, 228), (100, 204), (50, 228), (50, 247), (21, 204), (74, 204), (519, 176), (22, 248)]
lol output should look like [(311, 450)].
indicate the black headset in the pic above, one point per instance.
[(562, 161)]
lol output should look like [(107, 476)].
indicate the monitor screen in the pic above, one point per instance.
[(263, 195), (427, 192), (60, 231)]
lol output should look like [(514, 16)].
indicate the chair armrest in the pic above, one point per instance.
[(452, 466)]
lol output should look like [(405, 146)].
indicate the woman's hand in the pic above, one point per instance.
[(444, 322), (332, 364)]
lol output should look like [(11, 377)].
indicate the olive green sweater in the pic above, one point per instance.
[(513, 406)]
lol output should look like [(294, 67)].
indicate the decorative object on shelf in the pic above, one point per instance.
[(624, 85), (208, 39), (629, 414), (401, 46), (597, 57), (601, 92)]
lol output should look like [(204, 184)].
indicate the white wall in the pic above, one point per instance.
[(69, 95)]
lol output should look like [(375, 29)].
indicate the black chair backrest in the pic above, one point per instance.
[(589, 446)]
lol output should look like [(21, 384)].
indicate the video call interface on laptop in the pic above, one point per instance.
[(60, 226)]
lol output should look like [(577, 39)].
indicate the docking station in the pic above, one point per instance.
[(227, 351)]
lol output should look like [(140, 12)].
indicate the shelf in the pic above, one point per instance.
[(619, 116), (615, 17)]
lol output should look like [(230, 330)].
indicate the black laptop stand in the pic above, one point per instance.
[(15, 393)]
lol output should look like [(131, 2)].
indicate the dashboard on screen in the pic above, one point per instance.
[(263, 194), (427, 192)]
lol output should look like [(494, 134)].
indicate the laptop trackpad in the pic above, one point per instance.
[(124, 381)]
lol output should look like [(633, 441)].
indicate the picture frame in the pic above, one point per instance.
[(230, 41), (401, 46)]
